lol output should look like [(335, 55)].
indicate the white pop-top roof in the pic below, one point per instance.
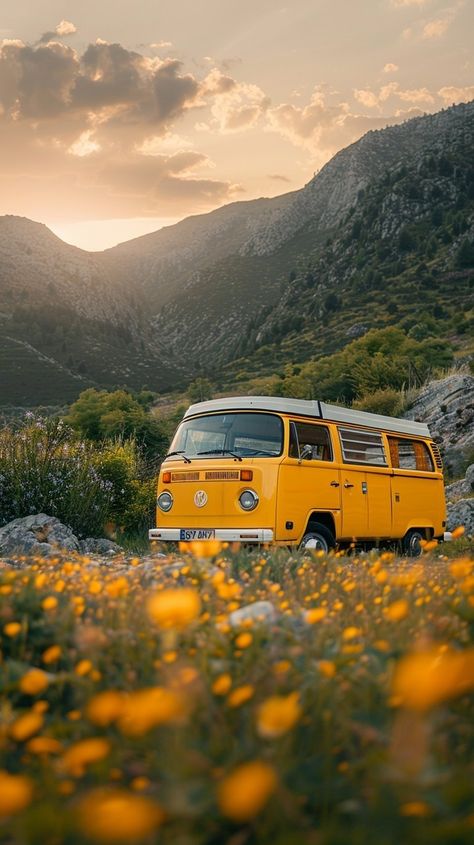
[(305, 408)]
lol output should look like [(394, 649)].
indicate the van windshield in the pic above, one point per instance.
[(217, 435)]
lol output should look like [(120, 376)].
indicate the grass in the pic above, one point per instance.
[(133, 702)]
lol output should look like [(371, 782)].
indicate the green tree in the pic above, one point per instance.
[(199, 390), (101, 415)]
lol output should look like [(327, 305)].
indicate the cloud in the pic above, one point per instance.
[(278, 177), (436, 28), (367, 98), (94, 130), (454, 94), (236, 105), (390, 68), (62, 30), (161, 45)]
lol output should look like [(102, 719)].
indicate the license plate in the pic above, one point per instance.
[(186, 534)]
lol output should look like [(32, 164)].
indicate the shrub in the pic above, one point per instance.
[(386, 401), (45, 468), (98, 415), (121, 466)]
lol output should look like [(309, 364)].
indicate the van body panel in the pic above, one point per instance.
[(417, 501), (302, 489)]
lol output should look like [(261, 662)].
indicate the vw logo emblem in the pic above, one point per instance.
[(200, 498)]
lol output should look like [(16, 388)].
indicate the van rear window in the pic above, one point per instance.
[(362, 447), (410, 454)]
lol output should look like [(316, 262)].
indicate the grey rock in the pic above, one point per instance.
[(38, 534), (258, 611), (99, 546), (447, 407), (356, 330), (461, 513), (463, 487)]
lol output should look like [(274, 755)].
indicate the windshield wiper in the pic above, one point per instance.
[(181, 452), (221, 452), (254, 452)]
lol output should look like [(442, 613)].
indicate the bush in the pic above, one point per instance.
[(386, 401), (121, 465), (44, 468), (99, 415)]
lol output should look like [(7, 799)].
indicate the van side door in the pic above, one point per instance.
[(308, 479), (365, 485)]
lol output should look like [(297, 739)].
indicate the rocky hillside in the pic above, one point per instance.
[(383, 235)]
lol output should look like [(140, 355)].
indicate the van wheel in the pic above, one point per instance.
[(318, 538), (411, 543)]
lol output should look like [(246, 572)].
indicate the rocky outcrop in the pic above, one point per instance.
[(463, 487), (461, 513), (40, 534), (447, 407)]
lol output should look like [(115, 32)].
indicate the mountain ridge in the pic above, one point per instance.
[(192, 298)]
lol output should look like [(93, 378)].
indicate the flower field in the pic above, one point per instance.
[(153, 700)]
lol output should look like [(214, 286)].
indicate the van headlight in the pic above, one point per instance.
[(248, 500), (165, 501)]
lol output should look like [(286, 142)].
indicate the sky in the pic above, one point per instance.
[(120, 117)]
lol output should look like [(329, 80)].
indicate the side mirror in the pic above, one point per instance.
[(306, 453)]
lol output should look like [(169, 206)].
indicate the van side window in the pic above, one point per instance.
[(410, 454), (306, 434), (362, 447)]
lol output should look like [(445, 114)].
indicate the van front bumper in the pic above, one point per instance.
[(227, 535)]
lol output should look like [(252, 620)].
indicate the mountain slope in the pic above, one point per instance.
[(381, 236), (216, 302)]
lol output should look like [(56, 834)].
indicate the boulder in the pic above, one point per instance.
[(447, 407), (462, 488), (38, 534), (258, 611), (99, 546), (461, 513)]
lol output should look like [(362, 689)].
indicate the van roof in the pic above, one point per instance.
[(306, 408)]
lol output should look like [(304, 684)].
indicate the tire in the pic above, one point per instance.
[(411, 543), (317, 538)]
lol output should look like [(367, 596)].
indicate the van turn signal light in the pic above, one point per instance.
[(246, 475), (166, 478)]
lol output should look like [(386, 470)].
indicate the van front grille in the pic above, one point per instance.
[(222, 475), (184, 476)]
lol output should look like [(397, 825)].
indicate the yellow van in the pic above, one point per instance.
[(263, 469)]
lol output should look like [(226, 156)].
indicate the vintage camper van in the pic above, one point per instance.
[(263, 469)]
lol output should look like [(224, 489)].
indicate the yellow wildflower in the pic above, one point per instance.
[(16, 793), (222, 684), (327, 668), (351, 633), (203, 548), (416, 809), (315, 614), (105, 708), (174, 608), (458, 532), (118, 816), (426, 678), (26, 725), (278, 714), (147, 708), (83, 668), (244, 640), (11, 629), (246, 790), (33, 682), (51, 654), (84, 753), (397, 611), (44, 745), (240, 695), (49, 603)]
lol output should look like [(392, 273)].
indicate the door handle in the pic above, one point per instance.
[(334, 483), (346, 484)]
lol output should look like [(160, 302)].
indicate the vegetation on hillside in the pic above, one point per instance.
[(46, 468), (135, 706)]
